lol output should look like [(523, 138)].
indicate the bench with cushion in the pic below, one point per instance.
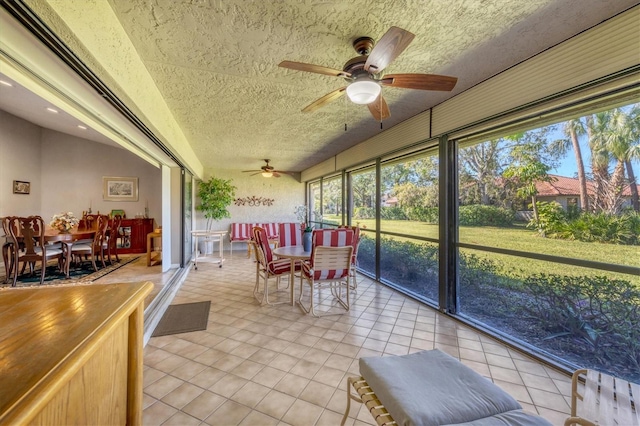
[(241, 233), (432, 388)]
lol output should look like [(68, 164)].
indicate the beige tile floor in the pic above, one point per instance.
[(272, 365)]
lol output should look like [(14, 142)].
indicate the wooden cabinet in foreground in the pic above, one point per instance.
[(72, 354)]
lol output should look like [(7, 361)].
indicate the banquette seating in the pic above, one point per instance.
[(242, 233)]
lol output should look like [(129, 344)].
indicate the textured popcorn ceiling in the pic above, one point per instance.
[(215, 63)]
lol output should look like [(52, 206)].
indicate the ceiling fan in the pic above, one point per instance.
[(267, 171), (364, 73)]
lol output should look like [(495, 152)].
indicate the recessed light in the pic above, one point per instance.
[(55, 111), (6, 83), (81, 127)]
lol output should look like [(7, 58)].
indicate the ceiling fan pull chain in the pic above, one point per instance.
[(380, 97), (345, 113)]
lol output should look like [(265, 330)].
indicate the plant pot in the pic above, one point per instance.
[(306, 241)]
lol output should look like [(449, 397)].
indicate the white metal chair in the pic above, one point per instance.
[(328, 267), (267, 267)]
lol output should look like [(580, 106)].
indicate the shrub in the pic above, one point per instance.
[(392, 213), (588, 227), (364, 213), (482, 215), (423, 214), (597, 315)]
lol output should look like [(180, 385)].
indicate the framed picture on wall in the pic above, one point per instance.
[(119, 188), (21, 187)]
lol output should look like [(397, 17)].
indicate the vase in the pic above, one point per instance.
[(306, 241), (63, 231)]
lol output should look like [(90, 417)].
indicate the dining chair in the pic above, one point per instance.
[(7, 249), (355, 243), (95, 248), (328, 267), (113, 234), (29, 247), (267, 267), (289, 234)]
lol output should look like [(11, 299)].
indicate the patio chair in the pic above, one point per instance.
[(328, 267), (354, 258), (267, 267), (289, 234)]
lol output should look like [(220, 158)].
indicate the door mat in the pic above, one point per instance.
[(183, 318)]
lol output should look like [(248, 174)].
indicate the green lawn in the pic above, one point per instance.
[(522, 239)]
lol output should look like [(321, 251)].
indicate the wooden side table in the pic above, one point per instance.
[(153, 257)]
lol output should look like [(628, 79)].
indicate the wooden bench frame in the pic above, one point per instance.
[(369, 399), (605, 400)]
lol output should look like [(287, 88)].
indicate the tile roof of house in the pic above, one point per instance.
[(562, 185)]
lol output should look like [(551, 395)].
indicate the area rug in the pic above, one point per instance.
[(77, 275), (183, 318)]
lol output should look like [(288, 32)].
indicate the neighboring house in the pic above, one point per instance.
[(566, 191), (388, 201)]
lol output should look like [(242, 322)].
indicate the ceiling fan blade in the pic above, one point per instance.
[(392, 44), (275, 174), (300, 66), (420, 81), (379, 109), (329, 97)]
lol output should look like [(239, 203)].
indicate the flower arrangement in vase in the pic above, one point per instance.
[(301, 215), (64, 222)]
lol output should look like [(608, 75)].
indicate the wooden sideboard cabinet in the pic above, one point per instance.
[(134, 235), (72, 355)]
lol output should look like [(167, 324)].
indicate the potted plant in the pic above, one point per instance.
[(215, 196)]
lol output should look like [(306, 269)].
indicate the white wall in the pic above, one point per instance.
[(72, 172), (66, 173), (286, 192), (19, 160)]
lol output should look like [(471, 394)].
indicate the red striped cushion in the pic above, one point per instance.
[(272, 230), (331, 238), (289, 234), (281, 266), (241, 231)]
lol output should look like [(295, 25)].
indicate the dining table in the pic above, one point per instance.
[(68, 239), (294, 254)]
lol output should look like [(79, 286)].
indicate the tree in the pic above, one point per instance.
[(574, 129), (527, 171), (215, 196)]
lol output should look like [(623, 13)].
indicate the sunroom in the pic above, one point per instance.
[(442, 196)]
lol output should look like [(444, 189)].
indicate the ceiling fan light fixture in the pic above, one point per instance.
[(363, 91), (267, 174)]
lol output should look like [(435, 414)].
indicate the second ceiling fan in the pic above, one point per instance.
[(364, 73)]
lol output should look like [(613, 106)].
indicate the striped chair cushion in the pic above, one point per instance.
[(332, 238), (289, 234), (272, 230)]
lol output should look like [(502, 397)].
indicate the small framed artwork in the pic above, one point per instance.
[(120, 188), (21, 187), (118, 212)]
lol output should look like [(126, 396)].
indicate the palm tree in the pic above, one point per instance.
[(634, 153), (598, 132), (614, 136), (574, 129)]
